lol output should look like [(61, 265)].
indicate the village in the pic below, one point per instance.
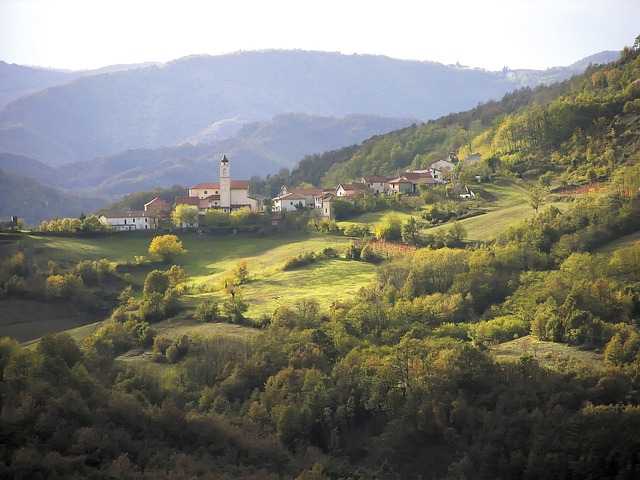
[(229, 195)]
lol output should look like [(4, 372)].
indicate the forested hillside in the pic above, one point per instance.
[(579, 130), (163, 105)]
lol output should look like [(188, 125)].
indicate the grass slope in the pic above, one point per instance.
[(207, 261), (550, 354)]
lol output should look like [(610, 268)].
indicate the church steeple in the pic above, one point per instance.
[(225, 183)]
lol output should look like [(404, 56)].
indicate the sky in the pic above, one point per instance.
[(491, 34)]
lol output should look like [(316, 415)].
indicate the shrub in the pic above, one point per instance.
[(299, 261), (156, 281), (499, 329), (367, 254), (353, 252), (207, 311), (166, 247), (357, 230), (390, 229), (329, 252), (63, 286)]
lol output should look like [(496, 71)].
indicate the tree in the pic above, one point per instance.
[(455, 235), (185, 216), (390, 229), (156, 281), (537, 197), (410, 231), (234, 306), (241, 273), (166, 247)]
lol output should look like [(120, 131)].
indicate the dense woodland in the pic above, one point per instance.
[(399, 381)]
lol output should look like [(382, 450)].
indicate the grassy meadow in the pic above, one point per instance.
[(207, 262), (550, 354)]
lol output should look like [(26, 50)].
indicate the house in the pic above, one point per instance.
[(376, 183), (227, 194), (313, 196), (158, 206), (441, 169), (409, 182), (291, 202), (351, 189), (130, 220), (9, 223), (400, 185)]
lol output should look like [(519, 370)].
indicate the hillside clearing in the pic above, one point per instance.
[(550, 354)]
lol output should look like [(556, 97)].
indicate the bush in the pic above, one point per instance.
[(299, 261), (207, 311), (367, 254), (64, 286), (499, 329), (166, 247), (390, 229), (353, 252), (357, 230), (329, 252)]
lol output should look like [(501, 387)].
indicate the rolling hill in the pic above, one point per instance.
[(257, 148), (161, 105), (32, 201)]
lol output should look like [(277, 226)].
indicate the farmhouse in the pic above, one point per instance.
[(290, 202), (351, 189), (131, 220), (376, 183), (226, 195), (158, 206)]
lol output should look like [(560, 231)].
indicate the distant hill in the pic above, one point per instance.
[(564, 128), (532, 78), (18, 81), (257, 148), (28, 167), (33, 202), (157, 106)]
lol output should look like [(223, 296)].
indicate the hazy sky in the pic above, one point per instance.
[(483, 33)]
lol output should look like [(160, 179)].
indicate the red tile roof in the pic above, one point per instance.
[(375, 179)]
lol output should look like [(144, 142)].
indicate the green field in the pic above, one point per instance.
[(549, 354), (372, 218), (509, 206), (207, 262)]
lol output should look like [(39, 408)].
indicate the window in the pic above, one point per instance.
[(205, 192), (134, 220), (125, 221)]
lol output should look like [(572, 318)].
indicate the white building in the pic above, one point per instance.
[(291, 202), (130, 220), (227, 194)]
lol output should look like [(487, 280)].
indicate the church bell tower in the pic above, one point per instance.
[(225, 184)]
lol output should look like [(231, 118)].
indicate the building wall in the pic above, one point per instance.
[(377, 187), (203, 192), (130, 223), (401, 187), (287, 205)]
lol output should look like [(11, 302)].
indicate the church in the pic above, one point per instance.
[(226, 195)]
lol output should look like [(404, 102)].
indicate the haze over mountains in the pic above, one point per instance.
[(123, 128)]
